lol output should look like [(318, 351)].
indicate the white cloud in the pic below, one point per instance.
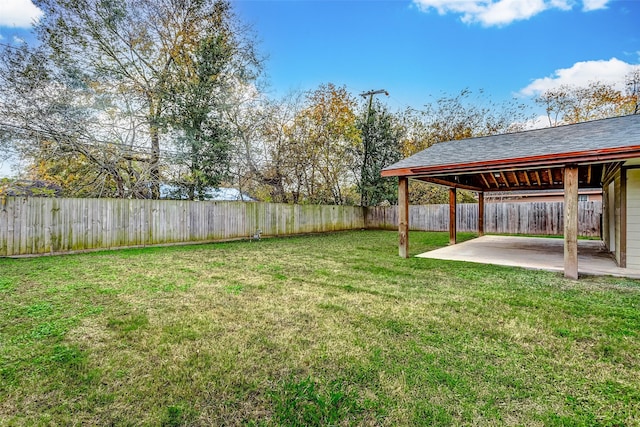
[(612, 72), (18, 13), (502, 12), (537, 122), (589, 5), (18, 40), (506, 11)]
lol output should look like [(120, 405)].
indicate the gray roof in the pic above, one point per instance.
[(590, 136)]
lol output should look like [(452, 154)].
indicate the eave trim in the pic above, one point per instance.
[(581, 157)]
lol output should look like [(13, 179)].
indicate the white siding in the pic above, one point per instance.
[(633, 218)]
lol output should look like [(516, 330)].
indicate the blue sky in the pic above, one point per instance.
[(419, 50)]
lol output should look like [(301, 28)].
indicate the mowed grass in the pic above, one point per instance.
[(329, 329)]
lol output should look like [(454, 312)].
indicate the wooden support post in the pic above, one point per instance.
[(623, 218), (481, 214), (571, 222), (452, 216), (403, 216)]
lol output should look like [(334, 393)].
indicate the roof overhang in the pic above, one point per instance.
[(521, 163), (528, 160)]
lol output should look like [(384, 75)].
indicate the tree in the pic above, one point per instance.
[(632, 95), (380, 147), (452, 118), (154, 67), (246, 120), (461, 116), (213, 64), (320, 147), (261, 135), (573, 104), (50, 116)]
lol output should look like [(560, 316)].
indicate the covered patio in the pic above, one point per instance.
[(536, 253), (601, 154)]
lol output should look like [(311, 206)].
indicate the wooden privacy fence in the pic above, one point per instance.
[(42, 225), (544, 218)]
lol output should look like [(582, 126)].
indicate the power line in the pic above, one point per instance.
[(96, 143), (10, 46)]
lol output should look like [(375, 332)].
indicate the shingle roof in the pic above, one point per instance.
[(586, 137)]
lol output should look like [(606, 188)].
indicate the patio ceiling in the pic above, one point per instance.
[(589, 176)]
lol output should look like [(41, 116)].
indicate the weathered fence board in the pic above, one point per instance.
[(43, 225), (544, 218)]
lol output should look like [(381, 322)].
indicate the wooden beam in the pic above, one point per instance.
[(486, 183), (609, 171), (537, 174), (446, 183), (550, 175), (571, 222), (504, 178), (526, 178), (480, 214), (493, 177), (515, 178), (588, 174), (452, 216), (403, 216), (559, 186), (605, 169)]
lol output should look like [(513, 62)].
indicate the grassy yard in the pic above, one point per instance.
[(319, 330)]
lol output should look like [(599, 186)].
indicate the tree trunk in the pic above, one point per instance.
[(154, 170)]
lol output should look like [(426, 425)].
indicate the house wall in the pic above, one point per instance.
[(606, 235), (633, 218), (625, 213), (611, 212)]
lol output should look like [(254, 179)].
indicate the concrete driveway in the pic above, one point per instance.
[(534, 253)]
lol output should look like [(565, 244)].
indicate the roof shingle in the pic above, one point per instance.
[(616, 132)]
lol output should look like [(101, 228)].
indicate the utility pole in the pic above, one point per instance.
[(370, 95), (364, 178)]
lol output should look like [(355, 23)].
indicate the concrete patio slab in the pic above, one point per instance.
[(537, 253)]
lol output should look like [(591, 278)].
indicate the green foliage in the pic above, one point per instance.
[(119, 93), (28, 188), (448, 118), (465, 115), (381, 137), (422, 193), (573, 104), (195, 111)]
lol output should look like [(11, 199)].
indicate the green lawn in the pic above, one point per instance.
[(320, 330)]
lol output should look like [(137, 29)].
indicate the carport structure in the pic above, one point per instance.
[(597, 154)]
